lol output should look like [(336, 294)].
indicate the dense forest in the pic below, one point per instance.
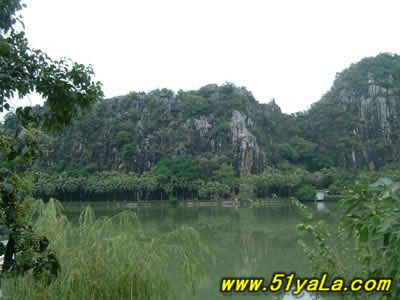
[(210, 143)]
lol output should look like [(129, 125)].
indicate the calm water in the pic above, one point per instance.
[(243, 241)]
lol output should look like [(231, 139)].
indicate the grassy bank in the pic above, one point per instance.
[(111, 258)]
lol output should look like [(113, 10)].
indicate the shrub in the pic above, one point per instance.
[(109, 258), (305, 193)]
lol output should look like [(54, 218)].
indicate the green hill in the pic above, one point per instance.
[(183, 142)]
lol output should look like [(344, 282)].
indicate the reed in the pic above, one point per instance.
[(111, 258)]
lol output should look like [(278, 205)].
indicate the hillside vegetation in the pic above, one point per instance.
[(202, 144)]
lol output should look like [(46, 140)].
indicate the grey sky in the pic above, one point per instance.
[(287, 50)]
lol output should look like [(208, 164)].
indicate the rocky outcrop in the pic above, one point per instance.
[(355, 125), (363, 108), (271, 108), (202, 125), (377, 111), (245, 145), (378, 107)]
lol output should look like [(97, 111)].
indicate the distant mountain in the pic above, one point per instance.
[(354, 125), (132, 133), (357, 123)]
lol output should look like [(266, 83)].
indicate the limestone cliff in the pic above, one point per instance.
[(245, 147), (355, 124), (362, 113), (133, 132)]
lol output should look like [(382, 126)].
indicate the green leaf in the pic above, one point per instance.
[(2, 249), (7, 187), (364, 235)]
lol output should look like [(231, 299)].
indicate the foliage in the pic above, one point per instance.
[(225, 174), (368, 238), (16, 155), (371, 217), (286, 182), (246, 189), (68, 89), (348, 124), (141, 132), (161, 184), (186, 178), (305, 193), (110, 258), (134, 133), (179, 168)]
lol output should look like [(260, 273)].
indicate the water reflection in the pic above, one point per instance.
[(321, 206), (243, 242)]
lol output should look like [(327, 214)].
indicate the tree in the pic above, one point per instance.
[(68, 89), (226, 175), (366, 241), (305, 193)]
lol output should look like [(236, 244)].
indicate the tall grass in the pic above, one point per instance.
[(110, 258)]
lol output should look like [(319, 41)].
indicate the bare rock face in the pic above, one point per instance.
[(377, 111), (202, 125), (272, 108), (380, 106), (195, 136), (245, 144)]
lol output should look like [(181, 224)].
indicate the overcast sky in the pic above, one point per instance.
[(287, 50)]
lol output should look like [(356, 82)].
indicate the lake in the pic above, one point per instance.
[(252, 241)]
